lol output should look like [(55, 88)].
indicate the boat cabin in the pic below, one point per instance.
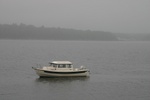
[(61, 64)]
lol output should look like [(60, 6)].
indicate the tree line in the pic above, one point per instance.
[(24, 31)]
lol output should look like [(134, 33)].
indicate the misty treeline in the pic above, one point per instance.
[(133, 36), (23, 31)]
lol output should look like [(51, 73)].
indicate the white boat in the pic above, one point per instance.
[(61, 69)]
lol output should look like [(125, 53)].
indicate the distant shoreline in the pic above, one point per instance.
[(58, 40), (30, 32)]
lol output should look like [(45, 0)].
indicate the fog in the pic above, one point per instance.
[(118, 16)]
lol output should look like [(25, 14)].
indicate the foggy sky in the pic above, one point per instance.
[(125, 16)]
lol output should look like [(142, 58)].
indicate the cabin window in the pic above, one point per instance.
[(54, 65), (68, 66), (61, 66)]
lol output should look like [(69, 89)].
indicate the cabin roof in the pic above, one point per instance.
[(61, 62)]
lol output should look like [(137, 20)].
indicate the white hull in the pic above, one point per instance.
[(45, 73)]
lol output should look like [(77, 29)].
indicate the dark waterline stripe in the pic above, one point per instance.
[(65, 72)]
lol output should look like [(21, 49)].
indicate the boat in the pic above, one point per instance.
[(61, 69)]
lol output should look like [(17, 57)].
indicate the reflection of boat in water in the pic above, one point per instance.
[(61, 69), (62, 80)]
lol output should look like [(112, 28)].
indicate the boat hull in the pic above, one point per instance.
[(45, 73)]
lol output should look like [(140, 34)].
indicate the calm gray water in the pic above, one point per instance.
[(119, 70)]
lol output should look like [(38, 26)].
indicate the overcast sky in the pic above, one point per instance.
[(125, 16)]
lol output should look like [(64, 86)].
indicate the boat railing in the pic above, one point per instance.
[(82, 67), (38, 66)]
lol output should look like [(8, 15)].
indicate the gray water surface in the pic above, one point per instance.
[(119, 70)]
